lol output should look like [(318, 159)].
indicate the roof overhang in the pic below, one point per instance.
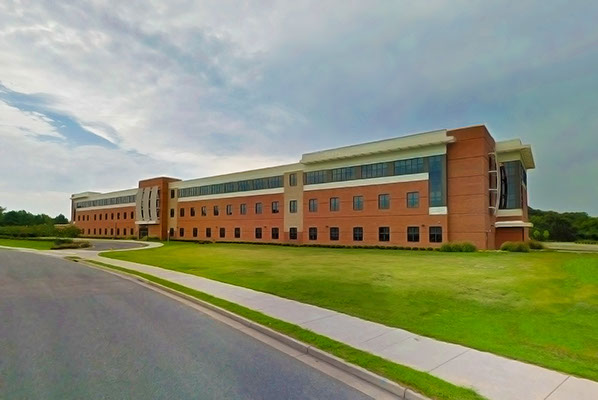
[(513, 224), (515, 146)]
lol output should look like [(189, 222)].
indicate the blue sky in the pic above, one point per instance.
[(96, 95)]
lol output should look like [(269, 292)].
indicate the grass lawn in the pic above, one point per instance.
[(30, 244), (539, 307)]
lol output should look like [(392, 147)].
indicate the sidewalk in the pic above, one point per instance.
[(492, 376)]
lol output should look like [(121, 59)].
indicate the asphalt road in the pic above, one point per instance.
[(105, 245), (68, 331)]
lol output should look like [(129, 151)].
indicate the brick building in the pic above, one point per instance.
[(420, 191)]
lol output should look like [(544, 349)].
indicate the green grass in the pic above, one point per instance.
[(29, 244), (539, 307), (419, 381)]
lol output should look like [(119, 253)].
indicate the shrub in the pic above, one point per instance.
[(516, 247), (458, 247), (535, 245)]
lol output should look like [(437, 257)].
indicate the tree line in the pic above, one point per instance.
[(564, 227), (25, 218)]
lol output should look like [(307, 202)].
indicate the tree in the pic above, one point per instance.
[(537, 235), (60, 219), (546, 235)]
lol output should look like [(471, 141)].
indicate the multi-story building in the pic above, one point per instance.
[(419, 191)]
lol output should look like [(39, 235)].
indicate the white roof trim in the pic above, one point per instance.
[(513, 224), (515, 145)]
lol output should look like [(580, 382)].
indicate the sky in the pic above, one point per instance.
[(96, 95)]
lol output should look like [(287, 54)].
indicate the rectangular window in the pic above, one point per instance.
[(275, 209), (117, 231), (94, 231), (293, 206), (222, 232), (172, 213), (334, 233), (111, 216), (208, 232), (437, 181), (94, 217), (313, 233), (383, 201), (374, 170), (181, 212), (204, 211), (117, 216), (258, 233), (172, 193), (315, 177), (192, 211), (413, 233), (243, 209), (343, 174), (105, 231), (357, 203), (293, 233), (194, 232), (181, 232), (275, 233), (106, 216), (132, 215), (171, 232), (435, 234), (384, 233), (412, 166), (335, 204), (292, 179), (358, 234), (229, 209), (413, 200), (313, 205), (216, 210), (237, 233), (258, 208)]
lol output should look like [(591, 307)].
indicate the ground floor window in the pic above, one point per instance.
[(181, 232), (334, 233), (313, 233), (384, 233), (194, 232), (258, 233), (171, 232), (435, 234), (293, 233), (237, 233), (358, 234), (275, 233), (413, 234), (208, 232), (222, 232)]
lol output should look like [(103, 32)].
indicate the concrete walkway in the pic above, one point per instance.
[(492, 376)]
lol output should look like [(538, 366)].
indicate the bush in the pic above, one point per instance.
[(464, 247), (535, 245), (515, 247)]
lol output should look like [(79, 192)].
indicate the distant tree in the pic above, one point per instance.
[(60, 219), (537, 235), (546, 235)]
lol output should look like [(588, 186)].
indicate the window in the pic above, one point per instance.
[(79, 218), (384, 233), (117, 231), (384, 201), (208, 232), (313, 205), (293, 206), (374, 170), (413, 233), (106, 216), (112, 231), (258, 233), (292, 179), (293, 233), (437, 181), (194, 232), (435, 234), (357, 203), (117, 216), (88, 231), (343, 174), (335, 204), (229, 209), (313, 233), (171, 232), (132, 215), (258, 208), (204, 211), (181, 212), (192, 211), (105, 231), (94, 217), (243, 209), (334, 233), (172, 213), (94, 231), (412, 199), (111, 216), (172, 193), (412, 166), (275, 207), (358, 233), (275, 233), (222, 232), (181, 232), (216, 211), (237, 233), (315, 177)]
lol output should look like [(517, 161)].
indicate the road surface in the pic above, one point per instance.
[(68, 331)]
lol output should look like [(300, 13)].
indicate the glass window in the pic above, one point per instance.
[(237, 233), (181, 232), (208, 232), (117, 216), (384, 233), (343, 174), (412, 199), (292, 179), (243, 209), (293, 233), (275, 209), (436, 182), (258, 208), (105, 231), (171, 232), (94, 217), (258, 233), (374, 170), (194, 232), (222, 232), (334, 233), (192, 211), (435, 234), (172, 193), (132, 216), (313, 233), (181, 212), (275, 233), (357, 203), (204, 211), (412, 166), (358, 233), (293, 206), (216, 210), (229, 209), (413, 233), (111, 216), (335, 204), (384, 201), (313, 205)]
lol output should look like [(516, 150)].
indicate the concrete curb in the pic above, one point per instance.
[(361, 373)]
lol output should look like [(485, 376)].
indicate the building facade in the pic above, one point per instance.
[(418, 191)]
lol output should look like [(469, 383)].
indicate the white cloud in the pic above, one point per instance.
[(14, 122)]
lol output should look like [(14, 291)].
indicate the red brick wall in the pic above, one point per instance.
[(106, 227), (509, 235)]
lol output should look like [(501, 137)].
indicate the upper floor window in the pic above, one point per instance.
[(293, 179), (204, 211), (181, 212), (313, 205), (101, 217), (413, 233), (275, 209), (335, 204), (374, 170), (334, 233), (111, 216), (229, 209), (258, 208), (216, 210), (412, 166), (412, 199), (384, 201), (435, 234), (117, 216), (172, 193), (132, 215), (192, 211), (243, 209), (343, 174), (357, 203), (293, 206)]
